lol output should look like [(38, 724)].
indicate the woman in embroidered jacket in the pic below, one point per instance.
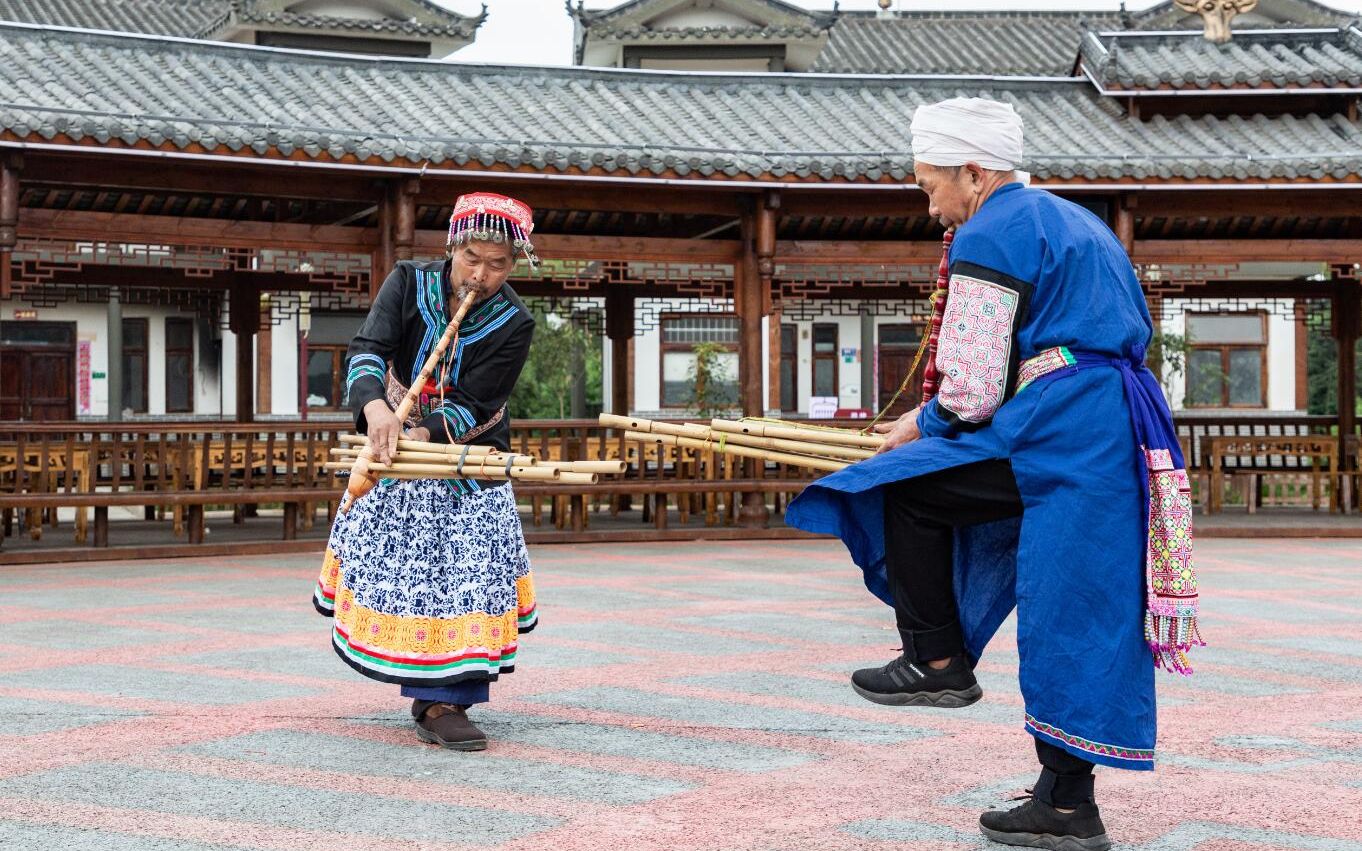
[(1026, 482), (429, 580)]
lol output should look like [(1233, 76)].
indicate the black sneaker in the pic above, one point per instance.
[(1036, 824), (905, 683)]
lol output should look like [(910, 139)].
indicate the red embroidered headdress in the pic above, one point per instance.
[(489, 217)]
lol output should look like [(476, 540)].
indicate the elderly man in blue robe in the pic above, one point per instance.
[(1043, 474)]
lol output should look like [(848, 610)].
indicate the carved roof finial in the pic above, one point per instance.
[(1217, 15)]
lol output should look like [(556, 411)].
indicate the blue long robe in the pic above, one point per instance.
[(1073, 565)]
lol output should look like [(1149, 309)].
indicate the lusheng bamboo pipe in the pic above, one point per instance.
[(841, 437), (538, 474), (408, 455), (606, 467), (695, 430), (449, 471), (361, 482), (824, 464), (406, 443), (799, 447)]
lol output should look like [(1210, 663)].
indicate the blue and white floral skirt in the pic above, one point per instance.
[(428, 588)]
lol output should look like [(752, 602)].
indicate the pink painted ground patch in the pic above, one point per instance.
[(688, 696)]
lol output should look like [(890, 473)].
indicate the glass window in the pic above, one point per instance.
[(325, 376), (900, 335), (179, 365), (678, 379), (1232, 328), (1225, 363), (1246, 376), (1204, 378), (135, 365)]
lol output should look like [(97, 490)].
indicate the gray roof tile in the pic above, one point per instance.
[(174, 93), (206, 18), (1015, 43), (156, 17), (1254, 59), (1033, 43)]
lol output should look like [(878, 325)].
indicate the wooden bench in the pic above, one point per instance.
[(1315, 457), (194, 502)]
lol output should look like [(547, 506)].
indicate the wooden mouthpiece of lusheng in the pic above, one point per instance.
[(730, 448), (840, 437)]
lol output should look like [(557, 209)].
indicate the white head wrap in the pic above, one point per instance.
[(962, 130)]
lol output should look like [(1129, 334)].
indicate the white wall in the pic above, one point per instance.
[(284, 365)]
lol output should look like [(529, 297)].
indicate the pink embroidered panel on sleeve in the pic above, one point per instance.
[(975, 347)]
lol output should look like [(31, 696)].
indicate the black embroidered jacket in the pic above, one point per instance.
[(407, 318)]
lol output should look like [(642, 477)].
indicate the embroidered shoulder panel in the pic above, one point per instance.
[(974, 354)]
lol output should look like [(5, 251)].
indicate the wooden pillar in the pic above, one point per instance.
[(1124, 222), (1347, 328), (619, 327), (9, 216), (766, 269), (245, 321), (383, 255), (751, 304), (404, 219)]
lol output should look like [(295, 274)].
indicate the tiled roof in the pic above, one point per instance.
[(1014, 43), (454, 26), (206, 18), (1254, 59), (156, 17), (99, 89)]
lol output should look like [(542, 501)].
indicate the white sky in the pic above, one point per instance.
[(539, 32)]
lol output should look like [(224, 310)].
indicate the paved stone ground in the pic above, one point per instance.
[(676, 697)]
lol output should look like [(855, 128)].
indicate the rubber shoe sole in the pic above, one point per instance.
[(470, 745), (1046, 840), (948, 699)]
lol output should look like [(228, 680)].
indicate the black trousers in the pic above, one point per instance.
[(920, 516)]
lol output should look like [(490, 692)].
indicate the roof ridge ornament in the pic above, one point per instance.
[(1217, 14)]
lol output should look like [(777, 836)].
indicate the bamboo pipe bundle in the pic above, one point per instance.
[(470, 471), (794, 431), (404, 443), (417, 450), (825, 464), (718, 440)]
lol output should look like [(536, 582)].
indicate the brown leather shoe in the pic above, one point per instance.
[(447, 725)]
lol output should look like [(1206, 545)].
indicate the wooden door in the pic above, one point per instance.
[(894, 364), (13, 366), (51, 386), (37, 385)]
